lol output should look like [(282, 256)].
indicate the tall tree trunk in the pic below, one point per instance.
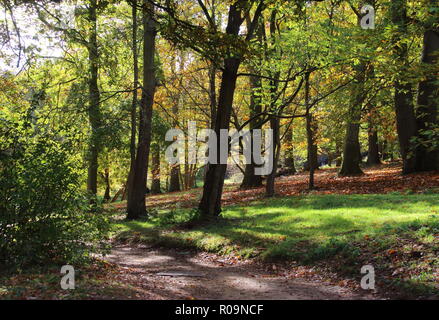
[(107, 196), (94, 113), (270, 186), (212, 94), (384, 151), (337, 154), (155, 169), (351, 151), (312, 154), (251, 180), (427, 156), (373, 156), (312, 163), (210, 204), (403, 99), (212, 71), (134, 101), (311, 130), (274, 120), (289, 151), (174, 183), (136, 205), (310, 135)]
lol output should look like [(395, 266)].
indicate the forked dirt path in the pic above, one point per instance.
[(170, 274)]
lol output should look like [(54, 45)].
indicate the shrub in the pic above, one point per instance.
[(44, 217), (177, 216)]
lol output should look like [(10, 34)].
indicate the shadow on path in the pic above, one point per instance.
[(214, 278)]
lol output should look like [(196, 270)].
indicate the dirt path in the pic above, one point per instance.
[(169, 274)]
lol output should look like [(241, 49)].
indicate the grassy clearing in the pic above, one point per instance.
[(398, 234)]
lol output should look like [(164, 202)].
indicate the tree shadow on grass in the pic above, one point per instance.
[(267, 231)]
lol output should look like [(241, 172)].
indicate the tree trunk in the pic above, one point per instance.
[(373, 156), (134, 103), (403, 99), (270, 186), (210, 204), (311, 130), (289, 151), (136, 198), (251, 180), (212, 94), (351, 151), (337, 154), (310, 136), (155, 170), (118, 193), (311, 156), (311, 150), (427, 156), (107, 196), (94, 113), (274, 121), (174, 180)]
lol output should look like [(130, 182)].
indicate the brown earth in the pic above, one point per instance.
[(170, 274)]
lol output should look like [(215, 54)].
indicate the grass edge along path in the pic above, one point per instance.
[(396, 233)]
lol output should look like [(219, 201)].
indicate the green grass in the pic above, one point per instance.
[(349, 229), (278, 225)]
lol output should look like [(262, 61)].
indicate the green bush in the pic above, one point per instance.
[(174, 217), (44, 217)]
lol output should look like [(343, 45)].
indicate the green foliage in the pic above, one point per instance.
[(428, 138), (159, 128), (44, 216), (174, 217)]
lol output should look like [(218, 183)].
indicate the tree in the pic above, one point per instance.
[(351, 151), (403, 97), (373, 156), (210, 204), (135, 102), (251, 180), (289, 150), (136, 205), (174, 183), (94, 112), (427, 151)]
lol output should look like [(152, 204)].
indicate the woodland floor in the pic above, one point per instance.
[(137, 269), (380, 179), (177, 274), (381, 196)]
